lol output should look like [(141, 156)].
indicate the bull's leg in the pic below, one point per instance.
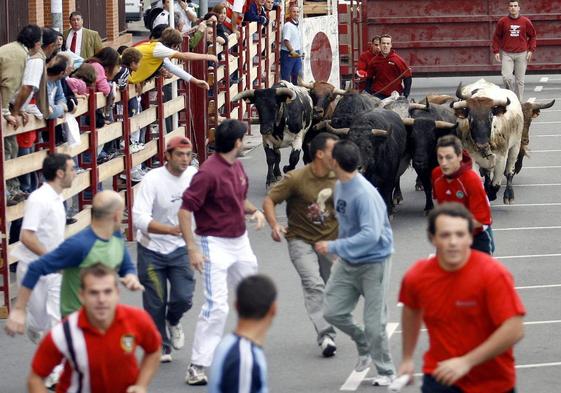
[(276, 169), (498, 174), (520, 159), (427, 187), (271, 159), (419, 185), (512, 159), (508, 196), (306, 145), (292, 161), (397, 195)]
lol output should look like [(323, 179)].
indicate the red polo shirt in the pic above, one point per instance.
[(388, 72), (107, 360)]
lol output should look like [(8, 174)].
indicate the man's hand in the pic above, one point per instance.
[(259, 218), (277, 232), (498, 57), (24, 118), (131, 282), (200, 83), (196, 258), (529, 56), (174, 230), (16, 322), (449, 371), (407, 367), (136, 389), (212, 58), (12, 120), (322, 247)]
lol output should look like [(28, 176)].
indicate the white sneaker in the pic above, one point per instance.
[(54, 376), (328, 347), (363, 363), (195, 375), (383, 380), (136, 176), (176, 335), (165, 357)]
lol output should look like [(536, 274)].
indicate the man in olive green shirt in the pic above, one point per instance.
[(311, 218)]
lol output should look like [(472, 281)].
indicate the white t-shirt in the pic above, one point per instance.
[(238, 6), (291, 33), (159, 199), (78, 33), (45, 215), (161, 19), (161, 51), (31, 77)]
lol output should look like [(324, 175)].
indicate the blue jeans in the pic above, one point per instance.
[(28, 182), (154, 272), (291, 67), (431, 385), (484, 241)]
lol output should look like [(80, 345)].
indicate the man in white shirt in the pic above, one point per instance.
[(79, 40), (162, 255), (291, 49)]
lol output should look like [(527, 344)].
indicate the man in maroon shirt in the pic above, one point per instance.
[(387, 71), (217, 197), (514, 43), (364, 59)]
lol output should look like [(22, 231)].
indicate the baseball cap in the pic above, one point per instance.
[(178, 141)]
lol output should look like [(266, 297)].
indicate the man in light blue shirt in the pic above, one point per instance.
[(363, 247)]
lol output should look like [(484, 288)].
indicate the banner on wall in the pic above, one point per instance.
[(320, 41)]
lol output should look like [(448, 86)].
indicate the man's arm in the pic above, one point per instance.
[(497, 40), (186, 224), (269, 210), (532, 39), (508, 334), (411, 326), (255, 214), (30, 240), (148, 367), (190, 56), (36, 384), (142, 213)]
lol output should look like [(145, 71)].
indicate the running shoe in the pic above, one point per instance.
[(176, 335), (383, 380), (195, 375), (328, 347), (165, 357), (363, 363)]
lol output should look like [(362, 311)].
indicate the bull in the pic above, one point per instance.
[(349, 106), (285, 115), (491, 132)]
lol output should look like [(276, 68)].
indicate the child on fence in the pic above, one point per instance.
[(82, 79)]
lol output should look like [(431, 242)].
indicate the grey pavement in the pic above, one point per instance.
[(527, 233)]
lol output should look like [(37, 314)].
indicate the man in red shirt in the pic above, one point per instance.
[(514, 43), (98, 342), (387, 72), (217, 198), (470, 308), (455, 181), (364, 59)]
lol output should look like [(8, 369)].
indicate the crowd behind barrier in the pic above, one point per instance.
[(250, 61)]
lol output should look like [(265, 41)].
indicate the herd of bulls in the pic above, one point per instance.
[(394, 133)]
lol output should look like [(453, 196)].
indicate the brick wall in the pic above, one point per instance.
[(67, 7), (36, 12), (112, 18), (47, 13)]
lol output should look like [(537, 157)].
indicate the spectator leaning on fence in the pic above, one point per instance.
[(57, 100), (256, 12), (79, 40)]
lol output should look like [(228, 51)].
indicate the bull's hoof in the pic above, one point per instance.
[(508, 196), (287, 168)]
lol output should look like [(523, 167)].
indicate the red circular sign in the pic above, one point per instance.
[(321, 57)]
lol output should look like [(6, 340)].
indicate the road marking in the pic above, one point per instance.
[(528, 256), (553, 364), (538, 185), (544, 79), (355, 379), (538, 88), (543, 167), (532, 99), (551, 88), (545, 151), (529, 204), (540, 286), (546, 122), (545, 136), (524, 228)]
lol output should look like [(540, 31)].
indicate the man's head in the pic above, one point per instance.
[(178, 154), (385, 44), (107, 208), (375, 45), (514, 9), (76, 21), (229, 136), (346, 157), (449, 154), (130, 58), (50, 42), (256, 298), (294, 13), (171, 38), (450, 230), (165, 4), (30, 37), (57, 67), (59, 168), (99, 293), (269, 5), (321, 148)]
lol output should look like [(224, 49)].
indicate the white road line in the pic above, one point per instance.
[(538, 88), (546, 136), (544, 79), (355, 379), (551, 88), (529, 204), (543, 167), (539, 286), (524, 229), (546, 122), (532, 99), (538, 185), (551, 110), (528, 256), (536, 365), (545, 151)]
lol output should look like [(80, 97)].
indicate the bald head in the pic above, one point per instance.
[(106, 204)]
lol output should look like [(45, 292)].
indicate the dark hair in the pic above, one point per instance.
[(255, 296), (57, 65), (227, 133), (385, 35), (450, 141), (376, 38), (121, 49), (108, 57), (171, 37), (217, 9), (129, 56), (450, 209), (74, 13), (49, 36), (29, 36), (347, 155), (156, 32), (320, 141), (99, 270), (209, 15), (52, 163), (85, 72)]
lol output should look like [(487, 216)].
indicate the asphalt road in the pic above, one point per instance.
[(527, 236)]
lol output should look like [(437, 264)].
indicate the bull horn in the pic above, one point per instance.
[(474, 91), (243, 95), (445, 124), (285, 91), (336, 131), (459, 104), (339, 92), (423, 107), (459, 92), (302, 83), (545, 105), (378, 132), (408, 121), (502, 102)]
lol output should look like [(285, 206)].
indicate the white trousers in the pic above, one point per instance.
[(229, 260), (43, 309)]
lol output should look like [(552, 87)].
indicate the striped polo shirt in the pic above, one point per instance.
[(239, 366)]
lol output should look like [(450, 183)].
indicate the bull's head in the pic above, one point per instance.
[(531, 110), (323, 94), (269, 104)]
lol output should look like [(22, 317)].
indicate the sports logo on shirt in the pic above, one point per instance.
[(127, 342), (515, 30), (459, 195), (317, 212), (341, 206)]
